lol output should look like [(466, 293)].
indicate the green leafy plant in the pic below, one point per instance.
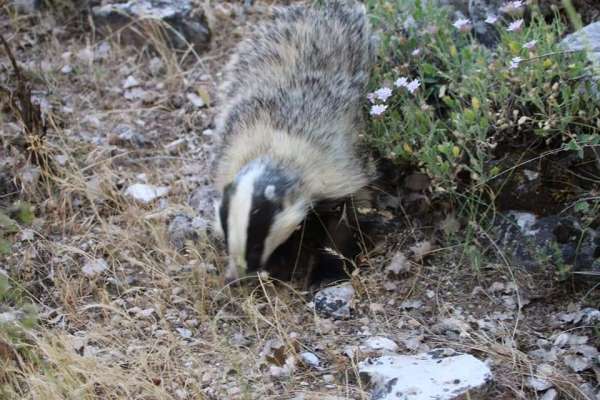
[(468, 101), (19, 213)]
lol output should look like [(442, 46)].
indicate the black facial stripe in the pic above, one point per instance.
[(262, 215), (224, 209)]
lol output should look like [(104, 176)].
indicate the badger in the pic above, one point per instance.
[(290, 118)]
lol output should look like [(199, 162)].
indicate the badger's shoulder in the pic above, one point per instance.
[(300, 44)]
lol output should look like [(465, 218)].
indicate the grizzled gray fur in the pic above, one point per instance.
[(290, 118)]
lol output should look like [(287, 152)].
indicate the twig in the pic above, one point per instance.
[(28, 113), (11, 57), (554, 53)]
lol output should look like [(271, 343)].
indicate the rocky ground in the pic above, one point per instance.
[(121, 266)]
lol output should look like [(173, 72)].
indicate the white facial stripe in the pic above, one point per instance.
[(217, 226), (239, 214), (283, 226)]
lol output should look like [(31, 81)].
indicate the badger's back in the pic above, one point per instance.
[(293, 91)]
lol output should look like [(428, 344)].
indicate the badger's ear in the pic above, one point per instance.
[(216, 225)]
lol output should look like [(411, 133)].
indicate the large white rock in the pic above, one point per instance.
[(440, 374)]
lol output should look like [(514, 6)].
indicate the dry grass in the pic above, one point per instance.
[(158, 323)]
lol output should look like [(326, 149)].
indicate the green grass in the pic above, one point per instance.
[(471, 103)]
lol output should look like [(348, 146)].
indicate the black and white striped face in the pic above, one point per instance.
[(258, 212)]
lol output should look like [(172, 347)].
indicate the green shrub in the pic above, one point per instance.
[(472, 99)]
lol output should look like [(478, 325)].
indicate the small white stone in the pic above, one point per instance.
[(102, 51), (577, 363), (130, 82), (94, 267), (380, 343), (181, 394), (195, 100), (544, 355), (350, 351), (411, 304), (7, 317), (86, 55), (286, 370), (399, 264), (176, 145), (66, 69), (567, 339), (145, 313), (376, 308), (539, 384), (551, 394), (146, 193), (155, 65), (185, 333), (525, 221), (310, 359), (26, 235), (531, 175)]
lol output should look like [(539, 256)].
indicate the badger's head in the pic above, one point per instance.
[(259, 211)]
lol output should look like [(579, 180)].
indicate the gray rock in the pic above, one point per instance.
[(577, 363), (587, 316), (586, 39), (184, 23), (539, 384), (335, 302), (440, 374), (181, 229), (561, 241)]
